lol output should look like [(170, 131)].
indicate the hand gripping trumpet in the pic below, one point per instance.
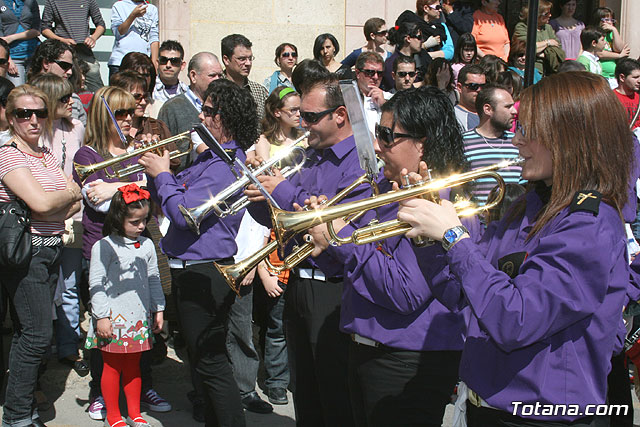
[(218, 203), (234, 273), (288, 223)]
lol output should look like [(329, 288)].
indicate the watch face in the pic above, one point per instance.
[(450, 235)]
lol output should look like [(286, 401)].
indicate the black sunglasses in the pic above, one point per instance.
[(314, 117), (381, 33), (411, 74), (474, 86), (140, 96), (3, 100), (27, 113), (123, 113), (371, 73), (175, 61), (66, 66), (4, 61), (289, 54), (209, 111), (64, 99), (387, 136)]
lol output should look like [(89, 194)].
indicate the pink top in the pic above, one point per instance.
[(491, 33)]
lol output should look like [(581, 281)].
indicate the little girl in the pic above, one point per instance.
[(125, 292), (466, 53)]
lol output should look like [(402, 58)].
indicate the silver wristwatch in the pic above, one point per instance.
[(452, 235)]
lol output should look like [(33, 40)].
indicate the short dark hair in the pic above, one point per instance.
[(570, 65), (172, 45), (398, 33), (466, 41), (317, 44), (5, 87), (401, 59), (589, 35), (119, 210), (492, 66), (487, 96), (128, 79), (307, 73), (333, 95), (229, 43), (368, 56), (371, 25), (431, 76), (626, 66), (599, 14), (237, 108), (280, 49), (136, 61), (469, 69), (49, 50), (512, 79), (6, 47)]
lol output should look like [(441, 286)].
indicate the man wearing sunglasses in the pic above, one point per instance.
[(471, 80), (170, 64), (369, 71), (375, 32), (317, 349), (404, 72)]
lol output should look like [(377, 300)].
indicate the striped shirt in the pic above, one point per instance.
[(47, 173), (70, 18), (481, 151)]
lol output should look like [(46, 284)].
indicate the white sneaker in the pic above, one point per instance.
[(97, 409)]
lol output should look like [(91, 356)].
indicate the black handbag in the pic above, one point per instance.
[(15, 233)]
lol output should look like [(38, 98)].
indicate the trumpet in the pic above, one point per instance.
[(218, 203), (85, 171), (234, 273), (288, 223)]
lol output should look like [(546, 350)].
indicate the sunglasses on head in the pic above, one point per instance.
[(175, 61), (387, 136), (411, 74), (66, 66), (474, 86), (371, 73), (314, 117), (123, 113), (289, 54), (27, 113), (209, 111), (64, 99)]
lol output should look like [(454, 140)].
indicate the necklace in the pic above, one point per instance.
[(485, 140), (31, 152), (64, 147)]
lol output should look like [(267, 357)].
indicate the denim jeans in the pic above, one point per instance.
[(276, 362), (31, 291), (23, 66), (68, 312), (242, 353)]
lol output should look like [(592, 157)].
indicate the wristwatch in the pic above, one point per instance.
[(452, 235)]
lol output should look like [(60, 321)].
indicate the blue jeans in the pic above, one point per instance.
[(242, 353), (31, 292), (276, 362), (68, 313)]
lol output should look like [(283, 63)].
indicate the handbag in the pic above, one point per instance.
[(15, 232)]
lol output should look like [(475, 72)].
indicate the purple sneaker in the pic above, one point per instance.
[(152, 401), (97, 409)]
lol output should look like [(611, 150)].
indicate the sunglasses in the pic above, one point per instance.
[(66, 66), (4, 61), (175, 61), (27, 113), (140, 96), (474, 86), (403, 74), (209, 111), (610, 20), (243, 59), (545, 14), (435, 7), (289, 54), (314, 117), (387, 136), (64, 99), (123, 113), (381, 33), (371, 73)]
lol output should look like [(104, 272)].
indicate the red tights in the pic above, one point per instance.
[(127, 365)]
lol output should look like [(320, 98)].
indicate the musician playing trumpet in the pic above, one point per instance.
[(406, 346)]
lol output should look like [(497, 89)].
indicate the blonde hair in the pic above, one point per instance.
[(19, 92), (100, 127), (55, 87)]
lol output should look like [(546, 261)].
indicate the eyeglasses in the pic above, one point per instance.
[(123, 113), (545, 14), (242, 59), (27, 113), (609, 20), (4, 61), (175, 61), (209, 111), (403, 74), (289, 54), (314, 117), (64, 99), (371, 73), (140, 96), (520, 128), (66, 66), (381, 33), (387, 136), (474, 86)]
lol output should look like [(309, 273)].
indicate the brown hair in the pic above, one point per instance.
[(588, 136), (19, 92), (545, 6), (371, 25), (420, 4), (128, 80), (100, 127), (270, 123)]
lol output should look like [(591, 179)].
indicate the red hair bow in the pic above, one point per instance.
[(397, 27), (133, 193)]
